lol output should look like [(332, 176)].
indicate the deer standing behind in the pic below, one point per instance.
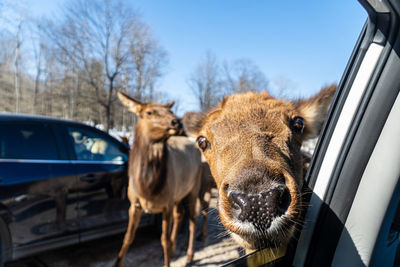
[(163, 169), (252, 143), (191, 125)]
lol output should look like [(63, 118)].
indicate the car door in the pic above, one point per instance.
[(32, 189), (100, 164)]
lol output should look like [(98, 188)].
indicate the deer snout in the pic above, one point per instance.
[(262, 208)]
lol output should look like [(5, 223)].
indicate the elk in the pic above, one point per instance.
[(163, 169), (252, 143)]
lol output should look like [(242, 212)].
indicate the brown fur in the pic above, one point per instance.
[(254, 147), (192, 123), (149, 165), (125, 139), (163, 169)]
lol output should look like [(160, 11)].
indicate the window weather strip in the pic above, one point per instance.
[(336, 142)]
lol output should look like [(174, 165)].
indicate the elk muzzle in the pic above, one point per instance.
[(258, 205), (176, 127), (259, 209)]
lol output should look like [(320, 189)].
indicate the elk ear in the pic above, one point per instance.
[(314, 110), (170, 104), (192, 123), (131, 104), (222, 103)]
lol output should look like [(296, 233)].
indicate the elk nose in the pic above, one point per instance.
[(261, 208), (177, 123)]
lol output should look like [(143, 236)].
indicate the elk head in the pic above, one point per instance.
[(252, 143), (156, 121)]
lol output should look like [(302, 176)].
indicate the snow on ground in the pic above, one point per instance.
[(309, 145)]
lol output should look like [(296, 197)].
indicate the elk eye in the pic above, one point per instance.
[(297, 124), (203, 143), (149, 113)]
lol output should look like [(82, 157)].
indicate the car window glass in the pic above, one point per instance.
[(27, 141), (92, 146)]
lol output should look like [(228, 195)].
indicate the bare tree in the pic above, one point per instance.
[(7, 90), (37, 48), (103, 39), (243, 75), (148, 60), (283, 86), (209, 82), (17, 60), (13, 23), (205, 82)]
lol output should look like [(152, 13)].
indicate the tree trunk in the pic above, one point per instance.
[(36, 91), (16, 81), (108, 118)]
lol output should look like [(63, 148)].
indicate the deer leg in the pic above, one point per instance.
[(135, 211), (205, 203), (194, 210), (165, 236), (178, 216)]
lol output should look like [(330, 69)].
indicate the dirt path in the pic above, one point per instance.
[(146, 251)]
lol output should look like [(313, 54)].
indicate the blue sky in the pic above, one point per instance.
[(306, 42)]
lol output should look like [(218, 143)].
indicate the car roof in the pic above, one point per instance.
[(18, 117), (5, 117)]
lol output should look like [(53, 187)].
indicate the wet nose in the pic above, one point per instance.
[(176, 123), (262, 208)]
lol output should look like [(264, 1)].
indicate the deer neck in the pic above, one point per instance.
[(148, 160)]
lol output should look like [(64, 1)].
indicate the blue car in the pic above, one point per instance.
[(61, 183)]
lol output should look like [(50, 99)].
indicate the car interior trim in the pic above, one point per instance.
[(369, 206), (379, 6)]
